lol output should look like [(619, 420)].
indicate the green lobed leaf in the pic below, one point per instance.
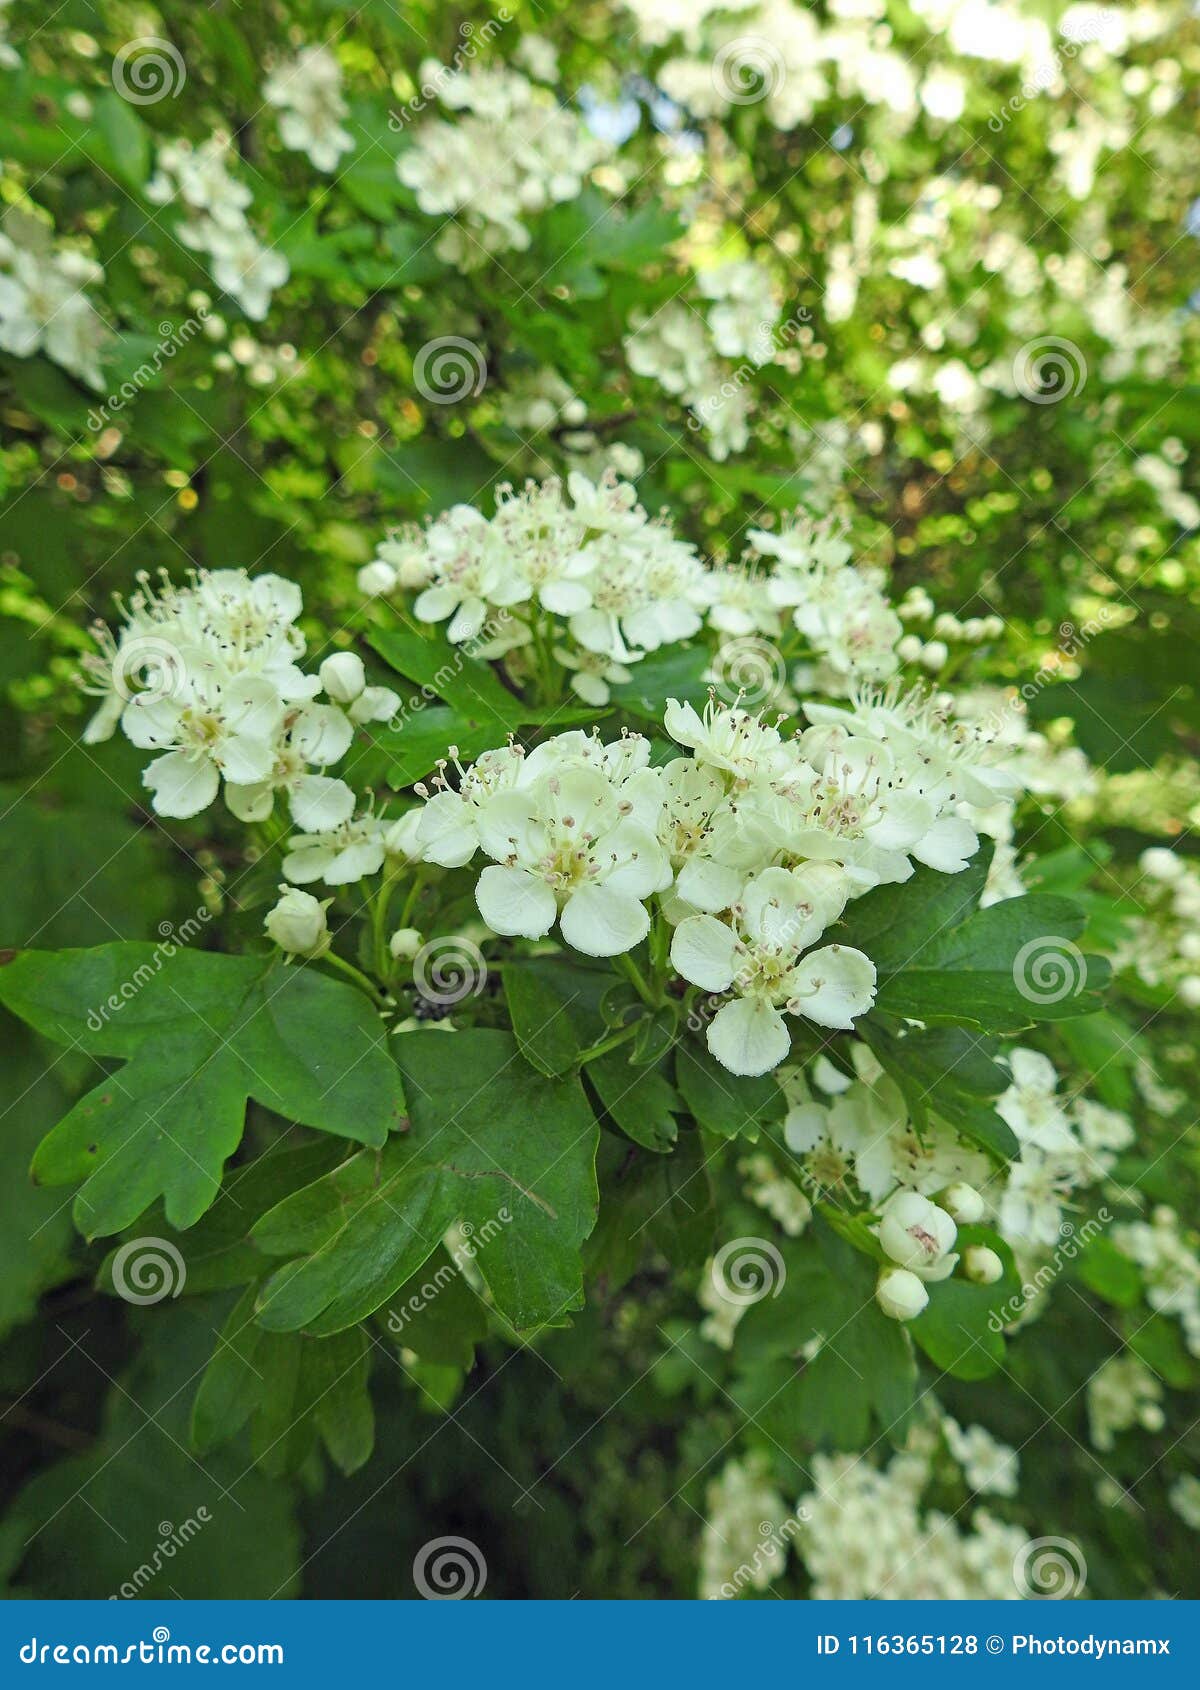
[(200, 1033), (494, 1145), (962, 1329), (861, 1376)]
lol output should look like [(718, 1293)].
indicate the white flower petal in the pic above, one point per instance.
[(601, 921), (319, 802), (833, 985), (703, 950), (182, 785), (749, 1037), (515, 903)]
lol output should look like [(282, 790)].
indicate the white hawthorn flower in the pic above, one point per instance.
[(728, 738), (307, 93), (297, 923), (575, 846), (916, 1234), (317, 734), (1031, 1107), (213, 723), (764, 958), (338, 855), (963, 1204)]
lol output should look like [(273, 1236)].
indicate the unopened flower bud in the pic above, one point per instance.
[(405, 943), (376, 579), (343, 676), (900, 1294), (935, 655), (962, 1203), (981, 1265), (374, 704), (297, 923), (914, 1232)]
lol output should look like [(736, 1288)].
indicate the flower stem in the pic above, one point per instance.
[(376, 993), (637, 979), (603, 1046)]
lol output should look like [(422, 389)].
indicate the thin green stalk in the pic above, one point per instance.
[(603, 1046), (364, 983)]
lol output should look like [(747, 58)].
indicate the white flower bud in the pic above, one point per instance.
[(376, 579), (981, 1265), (909, 648), (297, 923), (375, 704), (343, 676), (935, 655), (900, 1294), (405, 942), (914, 1232), (962, 1203), (1189, 991)]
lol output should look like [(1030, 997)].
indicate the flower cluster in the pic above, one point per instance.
[(840, 609), (744, 1544), (307, 93), (1164, 946), (1120, 1394), (581, 572), (215, 223), (43, 307), (673, 347), (207, 677), (870, 1535), (753, 844), (512, 152), (1170, 1265)]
